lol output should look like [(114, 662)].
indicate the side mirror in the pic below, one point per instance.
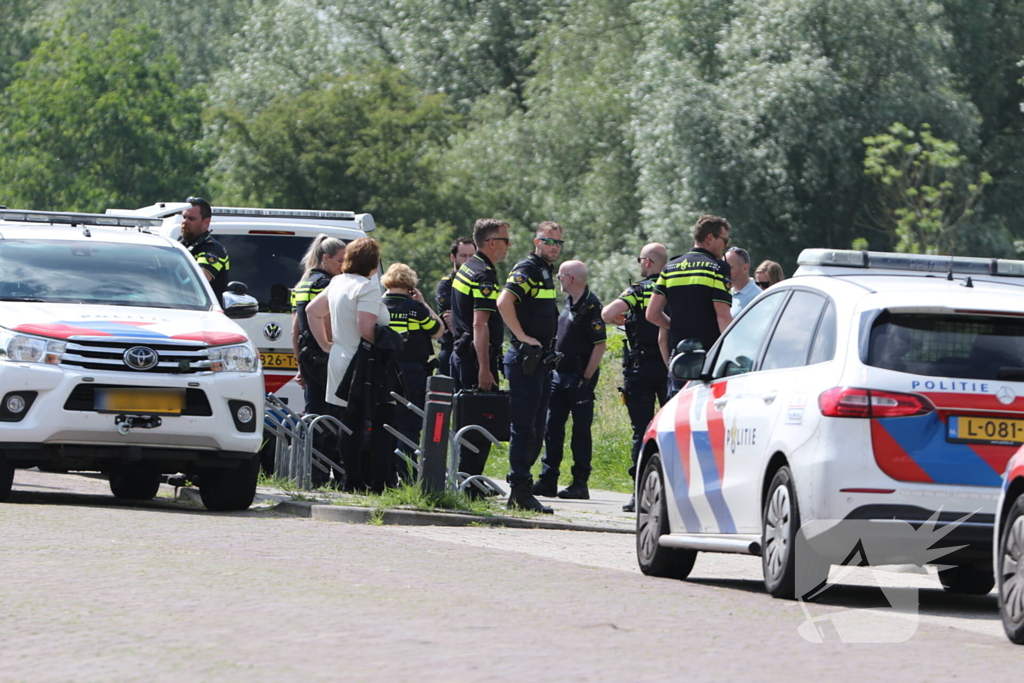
[(239, 306), (688, 365), (236, 287)]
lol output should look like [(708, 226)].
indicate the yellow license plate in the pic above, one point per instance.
[(279, 361), (994, 430), (164, 401)]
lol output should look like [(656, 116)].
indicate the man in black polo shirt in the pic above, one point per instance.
[(210, 254), (527, 305), (461, 250), (692, 296), (581, 340), (476, 325)]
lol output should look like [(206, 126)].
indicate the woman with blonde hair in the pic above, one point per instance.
[(768, 273)]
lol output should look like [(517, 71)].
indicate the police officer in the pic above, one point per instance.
[(527, 305), (210, 254), (476, 325), (644, 372), (321, 262), (581, 340), (692, 297), (412, 318), (461, 250)]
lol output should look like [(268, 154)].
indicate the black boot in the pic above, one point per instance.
[(521, 498), (577, 490), (630, 506), (548, 489)]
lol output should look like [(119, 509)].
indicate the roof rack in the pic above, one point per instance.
[(71, 218), (282, 213), (922, 263)]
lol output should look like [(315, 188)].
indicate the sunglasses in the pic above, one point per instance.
[(550, 241), (501, 239), (762, 285), (641, 259), (725, 240)]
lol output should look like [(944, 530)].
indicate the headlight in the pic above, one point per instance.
[(240, 358), (25, 348)]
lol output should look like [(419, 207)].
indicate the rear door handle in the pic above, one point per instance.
[(720, 402), (770, 398)]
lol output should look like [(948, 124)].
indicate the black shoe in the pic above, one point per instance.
[(520, 498), (575, 491), (630, 506), (548, 489)]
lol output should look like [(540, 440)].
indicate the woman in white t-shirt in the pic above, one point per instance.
[(351, 307)]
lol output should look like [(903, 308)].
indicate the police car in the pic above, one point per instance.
[(882, 389), (1008, 559), (265, 247), (116, 356)]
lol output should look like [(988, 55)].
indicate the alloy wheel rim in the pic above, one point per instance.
[(649, 516), (1011, 572), (776, 532)]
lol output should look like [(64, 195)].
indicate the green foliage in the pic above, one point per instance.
[(923, 187), (18, 35), (97, 121), (424, 248)]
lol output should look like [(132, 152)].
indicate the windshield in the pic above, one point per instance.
[(268, 265), (82, 272), (971, 347)]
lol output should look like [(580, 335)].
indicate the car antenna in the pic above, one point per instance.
[(949, 275)]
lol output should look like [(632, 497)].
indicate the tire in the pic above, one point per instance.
[(652, 523), (1010, 561), (134, 483), (229, 489), (967, 579), (780, 524), (6, 478)]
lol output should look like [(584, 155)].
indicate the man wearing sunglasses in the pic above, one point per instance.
[(527, 305), (692, 296)]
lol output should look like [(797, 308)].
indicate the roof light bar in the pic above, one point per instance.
[(922, 263), (282, 213), (70, 218)]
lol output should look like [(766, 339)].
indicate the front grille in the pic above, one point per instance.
[(83, 398), (99, 353)]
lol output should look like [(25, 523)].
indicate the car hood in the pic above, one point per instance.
[(64, 321)]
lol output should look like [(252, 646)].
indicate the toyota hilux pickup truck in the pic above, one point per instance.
[(116, 357)]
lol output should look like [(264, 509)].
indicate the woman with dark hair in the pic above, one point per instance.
[(321, 262)]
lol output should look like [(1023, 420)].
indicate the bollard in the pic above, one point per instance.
[(434, 441)]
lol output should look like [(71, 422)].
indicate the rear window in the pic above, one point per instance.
[(268, 265), (972, 347)]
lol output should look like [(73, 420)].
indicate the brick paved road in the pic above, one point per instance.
[(95, 591)]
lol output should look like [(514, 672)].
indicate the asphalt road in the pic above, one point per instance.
[(93, 590)]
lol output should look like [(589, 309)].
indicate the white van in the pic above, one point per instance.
[(265, 247)]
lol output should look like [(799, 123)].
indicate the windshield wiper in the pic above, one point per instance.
[(18, 298), (1011, 374)]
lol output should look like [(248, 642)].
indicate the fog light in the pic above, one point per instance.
[(244, 414), (15, 403)]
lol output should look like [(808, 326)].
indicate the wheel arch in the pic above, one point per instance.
[(1013, 491), (775, 463)]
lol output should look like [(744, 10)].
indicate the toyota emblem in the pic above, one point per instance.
[(141, 358), (1005, 395), (272, 331)]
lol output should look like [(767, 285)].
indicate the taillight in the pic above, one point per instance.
[(850, 402)]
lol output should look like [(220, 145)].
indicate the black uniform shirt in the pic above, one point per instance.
[(475, 288), (442, 303), (212, 257), (536, 309), (640, 333), (691, 285), (305, 292), (579, 328), (413, 321)]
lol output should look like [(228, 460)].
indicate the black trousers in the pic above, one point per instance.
[(368, 454), (644, 384), (324, 440), (408, 423)]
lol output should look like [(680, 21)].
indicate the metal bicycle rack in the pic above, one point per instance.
[(295, 453)]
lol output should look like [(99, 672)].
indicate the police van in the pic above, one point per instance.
[(116, 356), (265, 247), (882, 392)]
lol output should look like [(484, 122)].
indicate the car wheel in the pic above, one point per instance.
[(6, 478), (779, 528), (967, 579), (134, 483), (652, 524), (1011, 573), (229, 489)]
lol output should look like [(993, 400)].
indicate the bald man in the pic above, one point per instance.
[(581, 340), (644, 373)]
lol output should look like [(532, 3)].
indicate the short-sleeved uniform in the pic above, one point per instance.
[(643, 368), (212, 257), (580, 328), (692, 284), (532, 283), (442, 303)]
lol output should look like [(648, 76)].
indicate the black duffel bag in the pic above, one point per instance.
[(488, 409)]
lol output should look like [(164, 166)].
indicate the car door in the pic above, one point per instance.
[(710, 413)]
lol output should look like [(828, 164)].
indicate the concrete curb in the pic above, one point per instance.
[(363, 515)]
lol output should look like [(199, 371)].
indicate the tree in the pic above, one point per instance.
[(924, 191), (18, 35), (95, 122)]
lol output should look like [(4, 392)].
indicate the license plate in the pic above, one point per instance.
[(279, 361), (164, 401), (994, 430)]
